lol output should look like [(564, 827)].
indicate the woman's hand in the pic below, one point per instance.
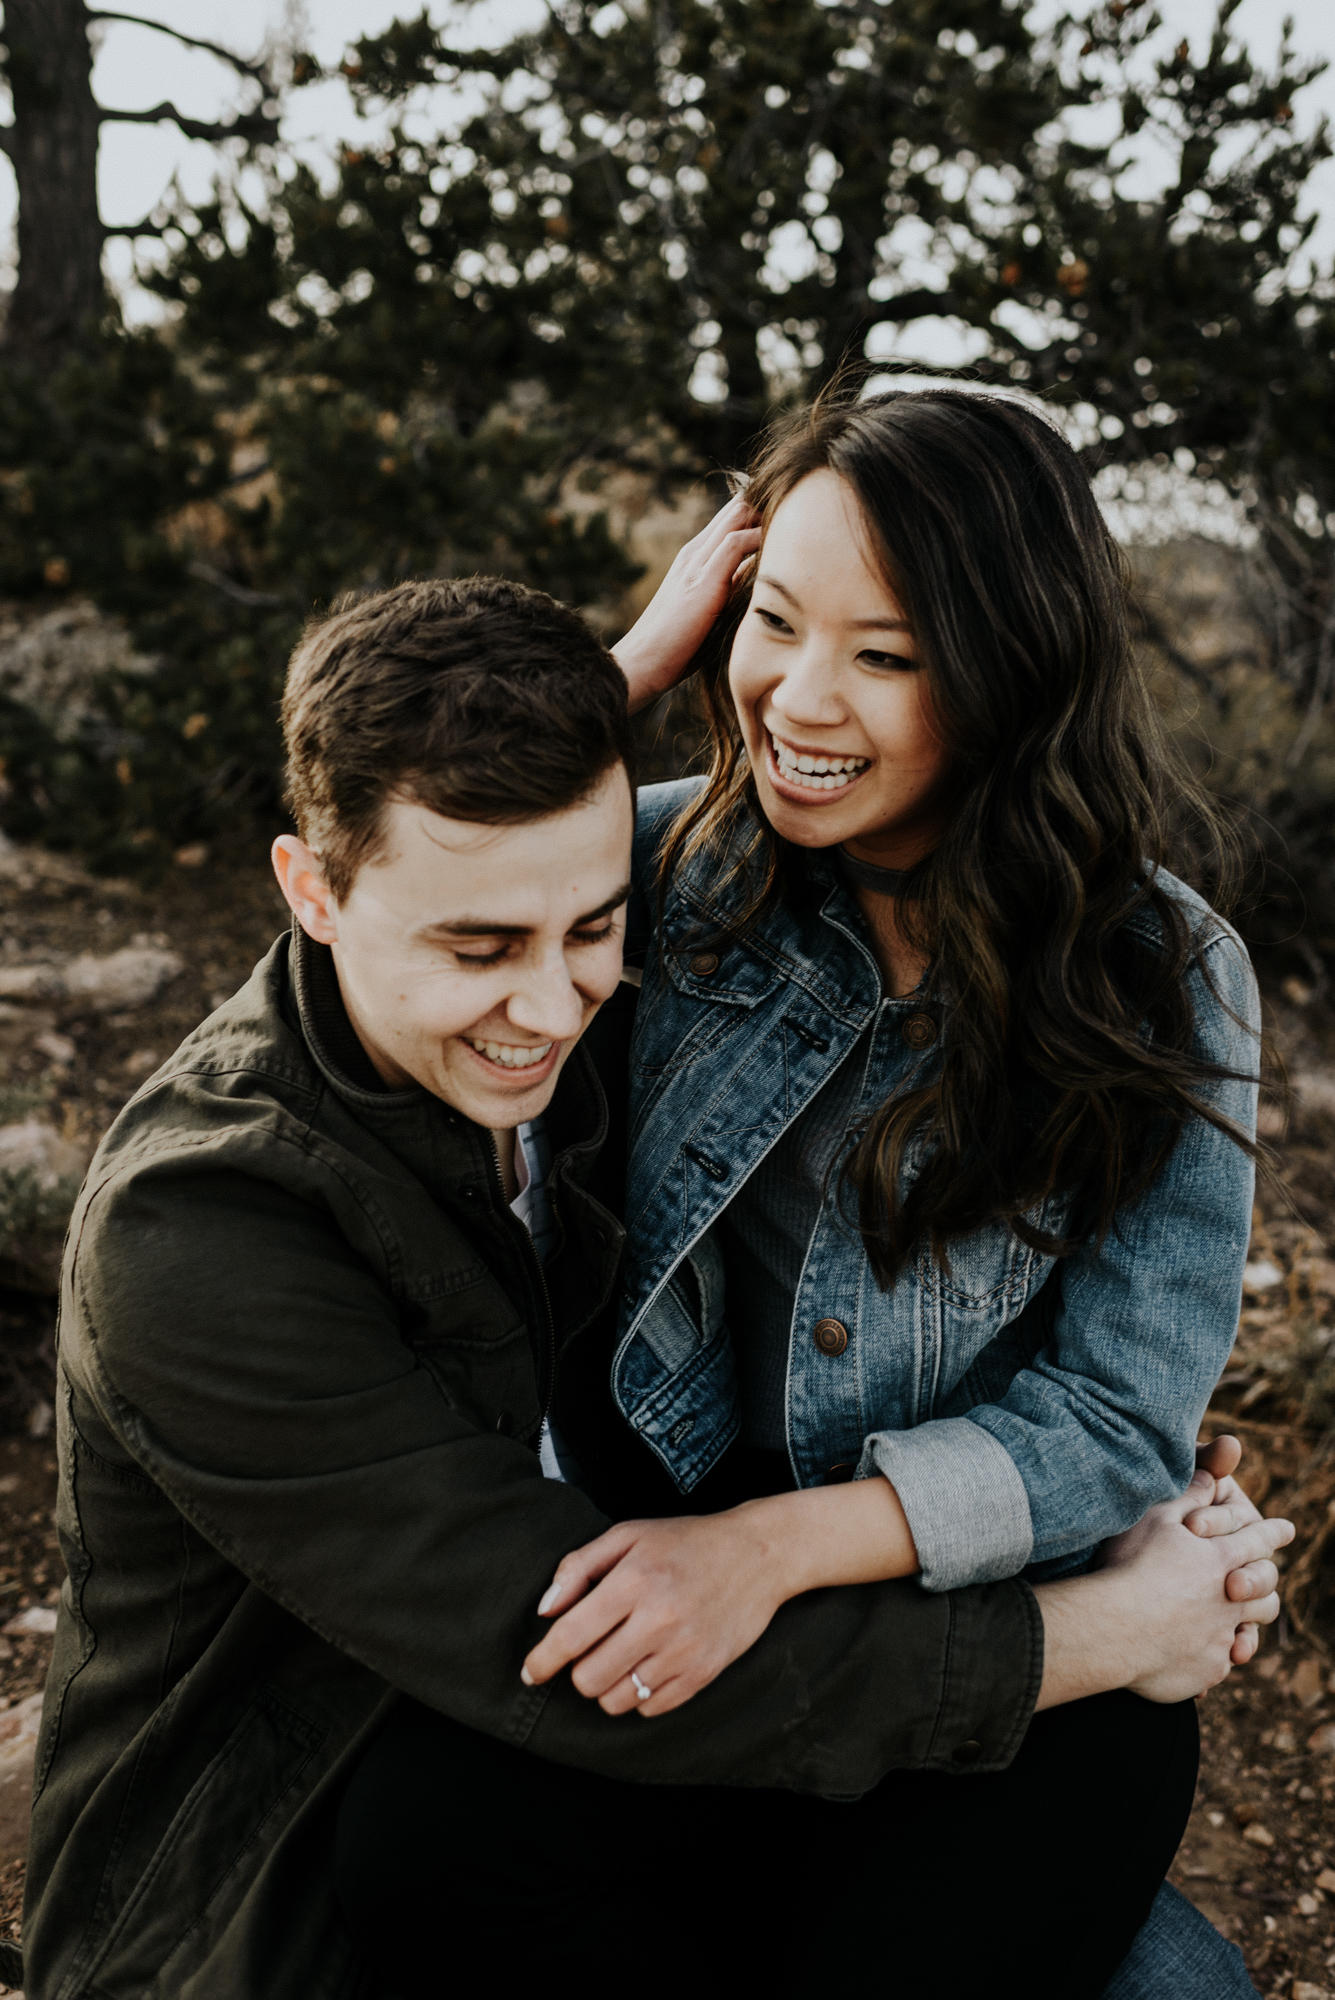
[(675, 623), (672, 1603), (675, 1602), (1229, 1510)]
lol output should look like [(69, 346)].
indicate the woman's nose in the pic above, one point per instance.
[(808, 694)]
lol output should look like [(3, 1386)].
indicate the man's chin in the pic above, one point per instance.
[(501, 1104)]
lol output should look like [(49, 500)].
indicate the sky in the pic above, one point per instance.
[(136, 68)]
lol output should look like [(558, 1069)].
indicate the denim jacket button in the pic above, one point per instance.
[(830, 1336), (841, 1474), (919, 1031), (966, 1753), (703, 963)]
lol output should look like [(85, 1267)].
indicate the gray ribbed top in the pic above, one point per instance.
[(765, 1233)]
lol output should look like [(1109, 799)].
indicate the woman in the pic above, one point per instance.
[(943, 1089), (772, 1021)]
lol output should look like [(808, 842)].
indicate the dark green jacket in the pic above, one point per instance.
[(304, 1352)]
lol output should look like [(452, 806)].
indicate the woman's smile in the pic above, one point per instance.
[(809, 777)]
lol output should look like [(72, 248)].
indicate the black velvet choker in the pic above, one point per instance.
[(885, 881)]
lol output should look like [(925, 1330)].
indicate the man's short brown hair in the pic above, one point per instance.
[(474, 697)]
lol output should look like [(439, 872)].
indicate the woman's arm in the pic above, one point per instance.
[(680, 1599), (1099, 1424), (675, 623), (674, 1602)]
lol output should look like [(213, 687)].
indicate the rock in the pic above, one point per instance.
[(53, 663), (1308, 1904), (1315, 1091), (1305, 1682), (193, 855), (37, 1148), (37, 1618), (1321, 1742), (1284, 1740), (17, 1025), (1303, 1989), (1257, 1277), (58, 1047), (142, 1061), (1326, 1880), (1259, 1836), (18, 1747), (127, 978)]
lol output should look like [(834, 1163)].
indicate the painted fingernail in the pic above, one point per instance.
[(526, 1677), (550, 1597)]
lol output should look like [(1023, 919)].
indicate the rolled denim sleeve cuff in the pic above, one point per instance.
[(965, 1500)]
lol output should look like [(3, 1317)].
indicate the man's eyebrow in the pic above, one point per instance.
[(484, 927), (858, 624)]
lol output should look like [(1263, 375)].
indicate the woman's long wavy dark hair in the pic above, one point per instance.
[(1068, 1068)]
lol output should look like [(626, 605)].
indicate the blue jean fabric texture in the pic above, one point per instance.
[(1024, 1411), (1179, 1955)]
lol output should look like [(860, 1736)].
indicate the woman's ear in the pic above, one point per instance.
[(301, 879)]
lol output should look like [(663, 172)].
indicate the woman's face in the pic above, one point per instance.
[(834, 712)]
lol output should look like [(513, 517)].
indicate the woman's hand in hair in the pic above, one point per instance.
[(677, 620)]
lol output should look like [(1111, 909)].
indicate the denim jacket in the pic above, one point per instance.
[(1023, 1407)]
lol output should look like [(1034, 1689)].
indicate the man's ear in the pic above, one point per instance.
[(301, 879)]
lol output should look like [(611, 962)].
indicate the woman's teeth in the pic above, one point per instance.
[(509, 1054), (818, 774)]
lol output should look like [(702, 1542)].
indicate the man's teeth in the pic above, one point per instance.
[(509, 1054), (818, 774)]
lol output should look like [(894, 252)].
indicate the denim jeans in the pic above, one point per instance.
[(1179, 1955)]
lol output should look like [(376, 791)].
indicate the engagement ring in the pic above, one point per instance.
[(642, 1693)]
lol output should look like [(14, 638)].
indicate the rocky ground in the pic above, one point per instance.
[(1259, 1854)]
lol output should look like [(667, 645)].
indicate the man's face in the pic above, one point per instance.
[(471, 958)]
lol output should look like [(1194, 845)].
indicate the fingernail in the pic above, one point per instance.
[(526, 1677), (1202, 1478), (550, 1597)]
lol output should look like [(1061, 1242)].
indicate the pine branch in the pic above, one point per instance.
[(246, 125), (259, 70), (261, 599), (911, 305), (145, 228)]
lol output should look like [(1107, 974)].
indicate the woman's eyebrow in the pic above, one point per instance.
[(858, 624)]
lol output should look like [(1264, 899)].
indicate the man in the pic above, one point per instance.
[(307, 1349)]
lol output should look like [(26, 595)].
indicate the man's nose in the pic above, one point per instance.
[(547, 1004)]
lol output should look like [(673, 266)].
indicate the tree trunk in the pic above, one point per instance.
[(53, 145)]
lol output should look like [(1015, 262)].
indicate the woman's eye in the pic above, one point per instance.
[(594, 937), (771, 619), (895, 663)]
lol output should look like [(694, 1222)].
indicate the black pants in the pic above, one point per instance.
[(464, 1864)]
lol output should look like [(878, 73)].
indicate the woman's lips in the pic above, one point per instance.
[(815, 787)]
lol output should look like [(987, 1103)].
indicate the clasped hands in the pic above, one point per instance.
[(666, 1605)]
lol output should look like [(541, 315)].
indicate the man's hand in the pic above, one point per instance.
[(1162, 1616), (675, 623), (1230, 1509)]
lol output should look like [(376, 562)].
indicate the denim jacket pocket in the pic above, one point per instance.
[(983, 1273), (699, 998)]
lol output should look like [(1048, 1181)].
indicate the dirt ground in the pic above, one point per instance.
[(1259, 1854)]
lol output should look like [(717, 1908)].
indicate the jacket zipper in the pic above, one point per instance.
[(547, 1386)]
